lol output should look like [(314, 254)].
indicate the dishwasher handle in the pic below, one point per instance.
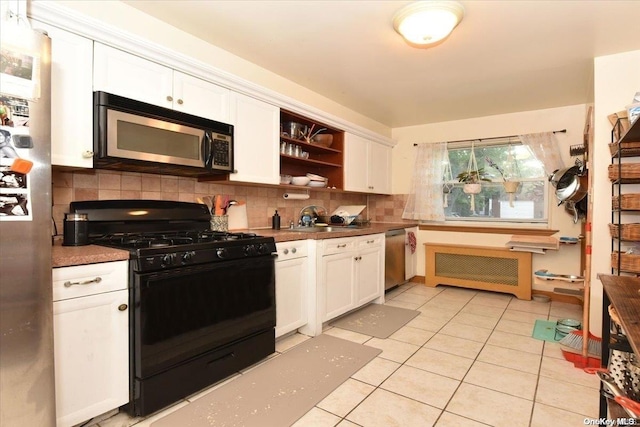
[(392, 233)]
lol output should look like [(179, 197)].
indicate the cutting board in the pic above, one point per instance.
[(349, 210), (237, 217)]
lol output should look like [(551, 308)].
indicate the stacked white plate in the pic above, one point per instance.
[(317, 180)]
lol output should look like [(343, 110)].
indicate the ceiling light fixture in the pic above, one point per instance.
[(427, 22)]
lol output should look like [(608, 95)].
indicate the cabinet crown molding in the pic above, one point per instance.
[(55, 14)]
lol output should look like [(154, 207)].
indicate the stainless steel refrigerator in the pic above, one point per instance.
[(27, 393)]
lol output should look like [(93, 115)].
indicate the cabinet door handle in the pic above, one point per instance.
[(86, 282), (344, 245), (286, 251), (169, 98), (358, 258), (180, 101), (87, 154), (123, 307), (370, 241), (293, 250)]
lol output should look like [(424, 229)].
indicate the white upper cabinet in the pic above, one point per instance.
[(356, 167), (256, 134), (200, 98), (379, 168), (131, 76), (71, 98), (367, 165)]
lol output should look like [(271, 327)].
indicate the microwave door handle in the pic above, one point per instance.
[(207, 150)]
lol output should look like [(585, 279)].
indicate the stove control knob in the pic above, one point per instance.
[(188, 256), (250, 250), (168, 260), (264, 249), (222, 253)]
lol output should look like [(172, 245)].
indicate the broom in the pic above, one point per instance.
[(581, 347), (572, 346)]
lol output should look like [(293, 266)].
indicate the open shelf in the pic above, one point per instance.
[(323, 161)]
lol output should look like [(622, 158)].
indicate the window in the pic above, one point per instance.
[(529, 202)]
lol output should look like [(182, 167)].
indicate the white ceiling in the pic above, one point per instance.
[(505, 56)]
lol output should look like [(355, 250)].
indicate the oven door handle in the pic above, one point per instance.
[(206, 147)]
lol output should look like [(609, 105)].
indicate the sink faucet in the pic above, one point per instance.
[(308, 216)]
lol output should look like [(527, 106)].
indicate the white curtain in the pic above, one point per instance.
[(545, 147), (425, 200)]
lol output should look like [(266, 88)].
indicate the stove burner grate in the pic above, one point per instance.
[(177, 238)]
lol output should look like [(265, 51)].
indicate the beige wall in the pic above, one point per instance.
[(616, 80), (572, 118)]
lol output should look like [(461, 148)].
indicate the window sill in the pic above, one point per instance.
[(489, 230)]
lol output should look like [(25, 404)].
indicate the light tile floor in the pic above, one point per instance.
[(467, 360)]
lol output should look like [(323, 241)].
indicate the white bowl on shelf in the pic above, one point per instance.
[(300, 180), (318, 184), (314, 177)]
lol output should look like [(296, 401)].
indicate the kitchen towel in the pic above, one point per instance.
[(412, 241)]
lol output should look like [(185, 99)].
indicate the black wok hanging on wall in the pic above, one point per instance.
[(571, 186)]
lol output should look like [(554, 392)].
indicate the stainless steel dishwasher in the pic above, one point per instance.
[(394, 265)]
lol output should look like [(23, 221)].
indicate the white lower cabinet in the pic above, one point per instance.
[(292, 282), (370, 269), (91, 340), (337, 278), (350, 274)]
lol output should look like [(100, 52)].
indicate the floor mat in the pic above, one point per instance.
[(280, 391), (376, 320), (545, 330)]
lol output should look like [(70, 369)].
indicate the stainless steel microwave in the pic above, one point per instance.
[(135, 136)]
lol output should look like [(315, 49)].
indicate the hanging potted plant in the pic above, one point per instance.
[(471, 180), (510, 185), (472, 177)]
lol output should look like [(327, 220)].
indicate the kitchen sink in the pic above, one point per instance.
[(317, 229)]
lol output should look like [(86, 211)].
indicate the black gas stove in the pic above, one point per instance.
[(163, 234), (202, 302)]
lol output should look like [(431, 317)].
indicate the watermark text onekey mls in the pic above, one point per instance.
[(611, 422)]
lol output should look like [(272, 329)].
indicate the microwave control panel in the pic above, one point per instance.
[(221, 150)]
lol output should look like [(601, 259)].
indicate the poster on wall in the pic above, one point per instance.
[(15, 165)]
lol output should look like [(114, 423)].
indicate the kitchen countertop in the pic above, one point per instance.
[(66, 256), (286, 235)]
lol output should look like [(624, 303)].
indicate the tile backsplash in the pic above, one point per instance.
[(261, 202)]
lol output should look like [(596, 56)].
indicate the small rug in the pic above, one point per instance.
[(376, 320), (280, 391), (545, 330)]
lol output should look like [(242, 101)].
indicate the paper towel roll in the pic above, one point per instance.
[(294, 196)]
